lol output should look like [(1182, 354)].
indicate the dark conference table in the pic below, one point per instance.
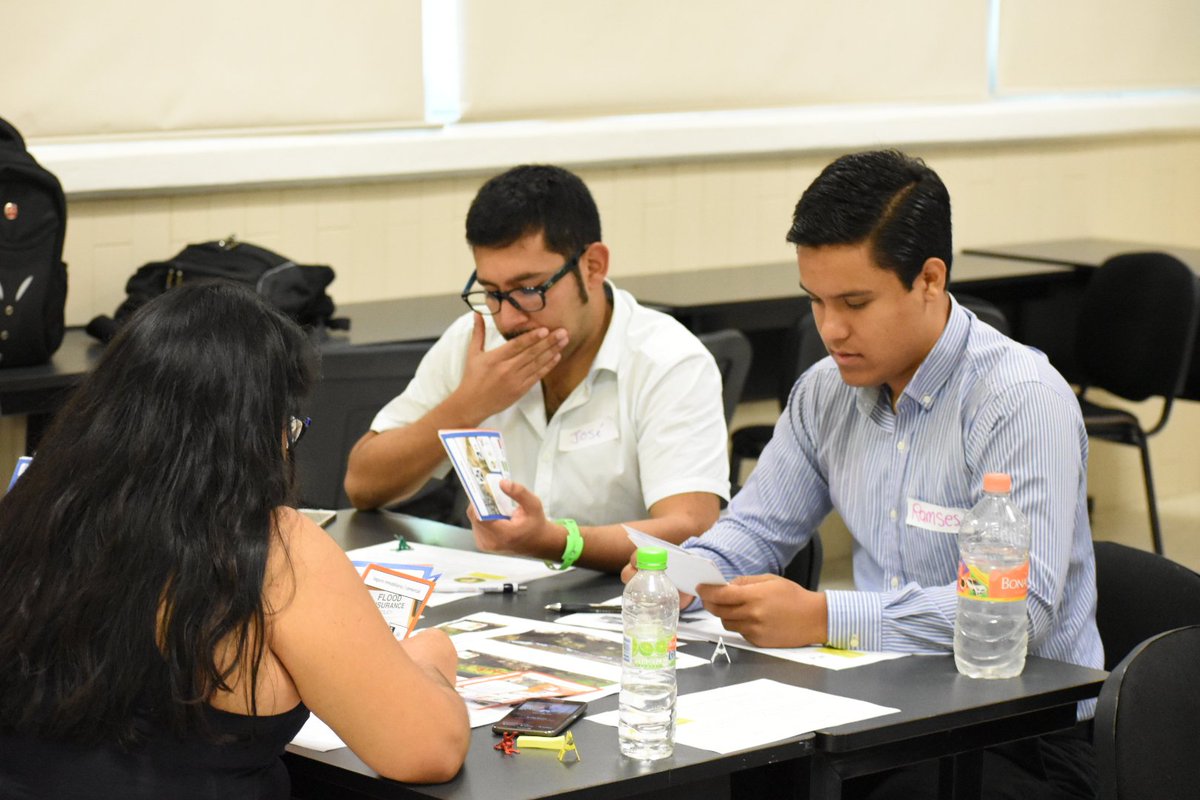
[(942, 714)]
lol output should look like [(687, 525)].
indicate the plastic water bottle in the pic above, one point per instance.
[(991, 631), (650, 613)]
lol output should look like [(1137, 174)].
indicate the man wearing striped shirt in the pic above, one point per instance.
[(895, 430)]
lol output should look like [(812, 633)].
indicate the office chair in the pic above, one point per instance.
[(731, 350), (805, 341), (805, 566), (1145, 728), (1138, 595), (1137, 326), (355, 383)]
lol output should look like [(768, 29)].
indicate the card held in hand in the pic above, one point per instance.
[(479, 460), (400, 596)]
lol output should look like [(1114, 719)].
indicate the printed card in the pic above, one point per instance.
[(22, 464), (479, 460), (516, 687), (685, 569), (401, 597)]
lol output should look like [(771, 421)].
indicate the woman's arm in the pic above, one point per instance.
[(392, 702)]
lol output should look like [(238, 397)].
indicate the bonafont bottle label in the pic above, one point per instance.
[(996, 586)]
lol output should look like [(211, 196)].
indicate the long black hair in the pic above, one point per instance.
[(134, 548)]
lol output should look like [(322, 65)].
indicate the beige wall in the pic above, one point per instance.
[(405, 238)]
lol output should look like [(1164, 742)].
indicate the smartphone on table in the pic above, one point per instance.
[(541, 717)]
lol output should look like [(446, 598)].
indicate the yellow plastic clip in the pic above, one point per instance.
[(563, 744)]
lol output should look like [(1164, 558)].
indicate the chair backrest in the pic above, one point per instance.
[(805, 566), (986, 311), (1140, 594), (355, 383), (732, 352), (1146, 718), (1137, 325)]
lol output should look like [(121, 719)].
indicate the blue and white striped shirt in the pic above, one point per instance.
[(978, 403)]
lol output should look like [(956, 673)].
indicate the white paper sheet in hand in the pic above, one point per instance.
[(684, 569)]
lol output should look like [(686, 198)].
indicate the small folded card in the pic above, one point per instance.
[(22, 464), (401, 597), (479, 460), (685, 569)]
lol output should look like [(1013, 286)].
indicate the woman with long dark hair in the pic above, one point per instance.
[(165, 618)]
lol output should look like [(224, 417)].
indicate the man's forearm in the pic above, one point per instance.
[(387, 467), (608, 547)]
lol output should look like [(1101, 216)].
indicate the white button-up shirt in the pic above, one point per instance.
[(647, 421)]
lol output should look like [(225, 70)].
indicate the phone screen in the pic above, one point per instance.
[(541, 717)]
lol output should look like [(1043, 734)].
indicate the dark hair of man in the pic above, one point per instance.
[(135, 545), (535, 198), (891, 201)]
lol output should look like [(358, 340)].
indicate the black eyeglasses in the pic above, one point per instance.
[(524, 298), (296, 429)]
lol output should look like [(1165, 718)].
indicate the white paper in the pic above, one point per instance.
[(703, 624), (451, 566), (316, 735), (685, 569), (755, 713)]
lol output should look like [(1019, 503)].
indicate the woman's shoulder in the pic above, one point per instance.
[(301, 552)]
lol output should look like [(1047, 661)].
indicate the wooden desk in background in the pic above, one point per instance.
[(942, 714)]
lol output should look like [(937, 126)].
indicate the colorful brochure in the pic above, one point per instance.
[(400, 596), (478, 458)]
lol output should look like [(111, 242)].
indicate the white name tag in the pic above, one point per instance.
[(934, 518), (594, 432)]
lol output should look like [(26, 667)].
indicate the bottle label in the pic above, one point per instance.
[(649, 653), (996, 586)]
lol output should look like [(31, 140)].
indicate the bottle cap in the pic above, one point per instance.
[(651, 558), (997, 483)]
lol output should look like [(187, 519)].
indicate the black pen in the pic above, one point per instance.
[(583, 608)]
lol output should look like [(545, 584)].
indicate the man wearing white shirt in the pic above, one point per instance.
[(611, 413)]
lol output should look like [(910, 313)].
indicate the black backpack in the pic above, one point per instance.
[(33, 277), (295, 289)]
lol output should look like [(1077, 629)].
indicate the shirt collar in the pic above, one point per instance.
[(614, 345), (934, 371)]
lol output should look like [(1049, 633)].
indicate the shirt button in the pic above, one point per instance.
[(901, 446), (893, 514), (895, 582), (927, 401), (854, 642)]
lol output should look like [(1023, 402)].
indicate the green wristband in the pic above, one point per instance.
[(574, 547)]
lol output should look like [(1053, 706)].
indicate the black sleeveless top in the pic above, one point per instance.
[(238, 759)]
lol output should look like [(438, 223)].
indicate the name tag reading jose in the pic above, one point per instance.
[(591, 433)]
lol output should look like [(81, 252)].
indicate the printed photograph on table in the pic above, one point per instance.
[(480, 463), (473, 666), (515, 687), (568, 643)]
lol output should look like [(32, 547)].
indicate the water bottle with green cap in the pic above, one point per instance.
[(650, 613)]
